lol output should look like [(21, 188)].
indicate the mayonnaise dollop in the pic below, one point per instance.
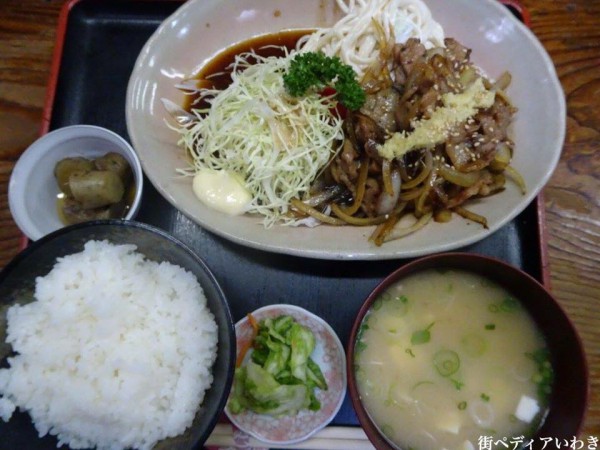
[(222, 190)]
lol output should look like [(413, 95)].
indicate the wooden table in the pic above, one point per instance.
[(569, 30)]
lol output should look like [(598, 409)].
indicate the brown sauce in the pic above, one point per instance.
[(216, 73)]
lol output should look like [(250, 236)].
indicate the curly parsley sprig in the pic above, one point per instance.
[(315, 69)]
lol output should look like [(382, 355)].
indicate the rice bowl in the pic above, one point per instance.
[(133, 360)]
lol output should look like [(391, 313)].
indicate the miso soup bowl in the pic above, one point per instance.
[(569, 397)]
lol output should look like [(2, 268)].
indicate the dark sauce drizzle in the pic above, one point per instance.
[(216, 73)]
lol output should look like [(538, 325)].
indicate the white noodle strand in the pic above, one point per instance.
[(355, 38)]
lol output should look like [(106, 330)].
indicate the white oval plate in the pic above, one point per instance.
[(201, 28), (328, 354)]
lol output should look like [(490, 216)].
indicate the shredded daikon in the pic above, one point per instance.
[(277, 143), (370, 25)]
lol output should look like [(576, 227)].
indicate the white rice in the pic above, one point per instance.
[(115, 353)]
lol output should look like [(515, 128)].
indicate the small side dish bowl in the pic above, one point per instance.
[(328, 354), (566, 399), (33, 189), (18, 284)]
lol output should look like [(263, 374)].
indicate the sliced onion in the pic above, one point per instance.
[(325, 195), (503, 81), (398, 232), (470, 215), (468, 76), (386, 173), (517, 177), (382, 230), (387, 202), (180, 115), (464, 179), (502, 157)]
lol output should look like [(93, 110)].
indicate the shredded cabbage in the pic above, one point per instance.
[(277, 143)]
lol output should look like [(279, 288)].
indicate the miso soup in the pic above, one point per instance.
[(444, 358)]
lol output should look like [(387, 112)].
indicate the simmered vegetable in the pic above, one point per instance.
[(96, 188), (114, 162), (72, 212), (69, 166), (93, 189), (280, 378)]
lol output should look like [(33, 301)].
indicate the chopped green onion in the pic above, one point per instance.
[(457, 384), (360, 373), (421, 336), (410, 352), (490, 326), (446, 362), (485, 397), (398, 306), (364, 326), (421, 383), (509, 304), (360, 346), (462, 406), (544, 377)]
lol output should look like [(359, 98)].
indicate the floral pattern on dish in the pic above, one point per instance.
[(329, 354)]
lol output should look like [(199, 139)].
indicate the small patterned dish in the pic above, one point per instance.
[(328, 354)]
